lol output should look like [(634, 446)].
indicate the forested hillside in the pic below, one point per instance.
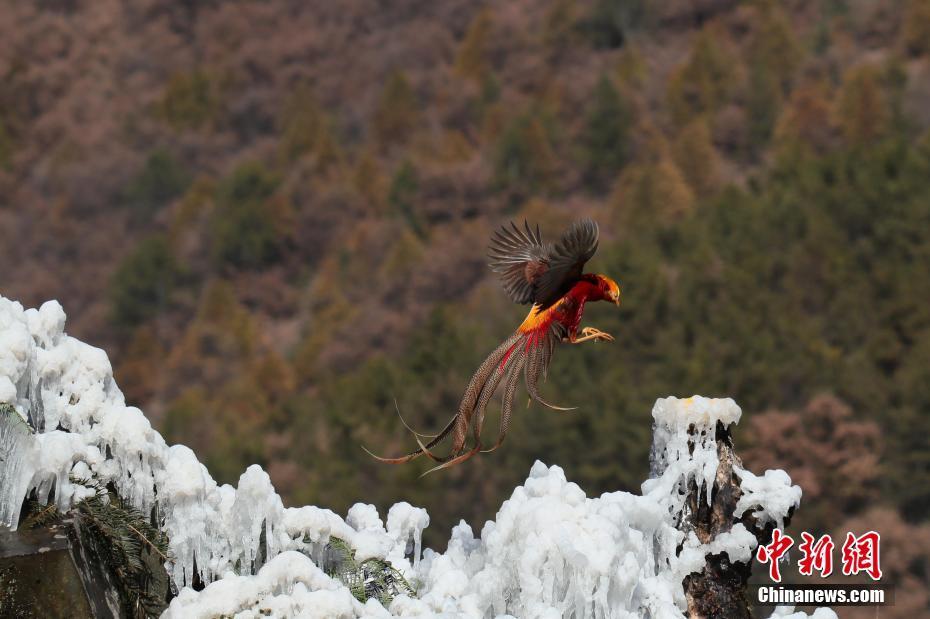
[(274, 217)]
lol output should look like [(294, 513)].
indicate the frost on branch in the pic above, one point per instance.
[(682, 546)]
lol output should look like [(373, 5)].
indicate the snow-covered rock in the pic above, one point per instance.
[(552, 551)]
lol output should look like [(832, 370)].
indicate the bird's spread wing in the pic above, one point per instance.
[(537, 272), (566, 261), (521, 258)]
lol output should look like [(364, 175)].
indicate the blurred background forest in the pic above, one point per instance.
[(273, 216)]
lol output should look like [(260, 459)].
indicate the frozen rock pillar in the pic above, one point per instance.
[(722, 511)]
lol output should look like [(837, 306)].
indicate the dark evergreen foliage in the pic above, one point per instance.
[(369, 579), (161, 179), (144, 283), (606, 140), (135, 550), (246, 226)]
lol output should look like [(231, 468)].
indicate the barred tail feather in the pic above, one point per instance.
[(487, 375), (510, 365), (540, 356), (458, 425), (522, 353), (510, 390), (512, 370)]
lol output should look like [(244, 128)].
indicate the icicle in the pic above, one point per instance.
[(406, 523), (17, 459)]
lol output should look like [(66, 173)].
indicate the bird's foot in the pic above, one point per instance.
[(590, 333)]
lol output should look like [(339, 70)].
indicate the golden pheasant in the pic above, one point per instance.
[(550, 276)]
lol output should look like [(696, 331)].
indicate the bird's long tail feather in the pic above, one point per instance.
[(539, 359), (510, 390), (522, 353)]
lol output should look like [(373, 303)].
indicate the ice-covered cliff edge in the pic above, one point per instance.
[(551, 552)]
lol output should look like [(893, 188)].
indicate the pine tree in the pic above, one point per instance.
[(610, 22), (606, 138), (472, 61), (774, 55), (807, 120), (705, 81), (861, 109), (6, 145), (402, 197), (190, 100), (763, 103), (250, 228), (916, 27), (161, 179), (697, 158), (144, 282), (396, 116), (525, 163), (773, 44), (306, 129), (654, 192)]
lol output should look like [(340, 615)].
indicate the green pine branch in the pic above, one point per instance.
[(135, 551), (368, 579)]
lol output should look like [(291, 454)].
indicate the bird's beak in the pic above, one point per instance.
[(617, 299)]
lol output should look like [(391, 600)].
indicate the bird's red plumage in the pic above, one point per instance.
[(567, 311)]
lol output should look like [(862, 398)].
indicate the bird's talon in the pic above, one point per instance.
[(590, 333)]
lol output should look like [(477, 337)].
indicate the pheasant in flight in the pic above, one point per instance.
[(550, 276)]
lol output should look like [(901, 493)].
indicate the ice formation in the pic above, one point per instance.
[(770, 497), (551, 551), (289, 585)]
